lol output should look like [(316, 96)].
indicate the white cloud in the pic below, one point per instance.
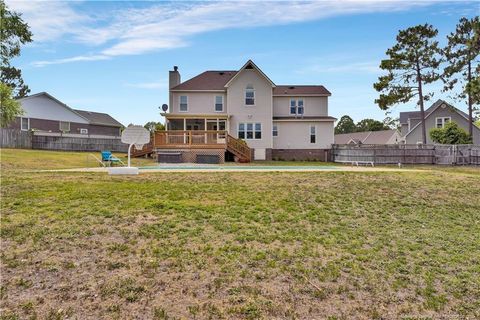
[(49, 20), (168, 25), (72, 59)]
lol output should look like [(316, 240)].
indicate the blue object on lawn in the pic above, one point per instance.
[(107, 156)]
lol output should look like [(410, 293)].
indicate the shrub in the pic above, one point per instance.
[(450, 134)]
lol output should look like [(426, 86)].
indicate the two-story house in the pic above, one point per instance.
[(436, 116), (242, 114)]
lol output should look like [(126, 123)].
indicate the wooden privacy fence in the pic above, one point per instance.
[(12, 138), (408, 154)]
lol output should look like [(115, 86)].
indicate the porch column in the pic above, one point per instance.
[(184, 128), (206, 134), (218, 128)]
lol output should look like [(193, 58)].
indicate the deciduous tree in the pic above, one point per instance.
[(345, 125), (153, 126), (371, 125), (412, 62), (9, 107), (14, 33)]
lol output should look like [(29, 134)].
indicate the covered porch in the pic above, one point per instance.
[(197, 136), (196, 122)]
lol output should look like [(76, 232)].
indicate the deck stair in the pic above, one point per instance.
[(147, 151), (239, 149)]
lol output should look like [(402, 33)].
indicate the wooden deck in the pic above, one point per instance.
[(201, 139)]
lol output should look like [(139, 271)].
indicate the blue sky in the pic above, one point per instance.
[(114, 56)]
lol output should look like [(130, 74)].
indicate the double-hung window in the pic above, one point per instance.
[(442, 121), (313, 134), (249, 95), (218, 103), (64, 126), (293, 106), (25, 124), (183, 103), (296, 106), (250, 131), (275, 130)]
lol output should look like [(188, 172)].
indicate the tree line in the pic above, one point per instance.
[(417, 60), (347, 125)]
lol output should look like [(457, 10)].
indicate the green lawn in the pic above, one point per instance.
[(316, 245)]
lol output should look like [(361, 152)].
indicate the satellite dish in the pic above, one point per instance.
[(135, 135), (164, 107)]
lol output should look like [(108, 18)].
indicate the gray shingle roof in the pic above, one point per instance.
[(99, 118), (404, 116), (366, 137)]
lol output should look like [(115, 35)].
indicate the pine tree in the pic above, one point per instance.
[(412, 62), (462, 53)]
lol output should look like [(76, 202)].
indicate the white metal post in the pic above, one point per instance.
[(129, 148)]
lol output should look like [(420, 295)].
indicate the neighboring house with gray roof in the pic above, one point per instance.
[(436, 116), (46, 114), (369, 137), (276, 121)]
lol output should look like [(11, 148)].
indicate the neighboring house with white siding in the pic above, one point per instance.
[(436, 116), (46, 114), (214, 110)]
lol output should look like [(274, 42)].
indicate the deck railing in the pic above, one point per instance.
[(190, 138)]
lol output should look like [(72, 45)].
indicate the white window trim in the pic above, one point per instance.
[(245, 98), (253, 127), (215, 103), (273, 126), (310, 134), (296, 106), (180, 103), (443, 121), (83, 129), (28, 122), (60, 126)]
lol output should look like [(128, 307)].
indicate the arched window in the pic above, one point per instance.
[(249, 95)]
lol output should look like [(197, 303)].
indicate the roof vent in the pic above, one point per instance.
[(221, 73), (291, 87)]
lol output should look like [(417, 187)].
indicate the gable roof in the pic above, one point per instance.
[(90, 117), (43, 93), (208, 80), (434, 107), (250, 65), (99, 118), (366, 137), (218, 80), (298, 90), (404, 116)]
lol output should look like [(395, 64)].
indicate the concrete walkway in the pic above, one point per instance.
[(244, 168)]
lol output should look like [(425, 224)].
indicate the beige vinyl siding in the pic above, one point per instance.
[(296, 135), (261, 112), (313, 106), (198, 102)]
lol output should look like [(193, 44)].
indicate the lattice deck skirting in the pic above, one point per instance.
[(193, 155)]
